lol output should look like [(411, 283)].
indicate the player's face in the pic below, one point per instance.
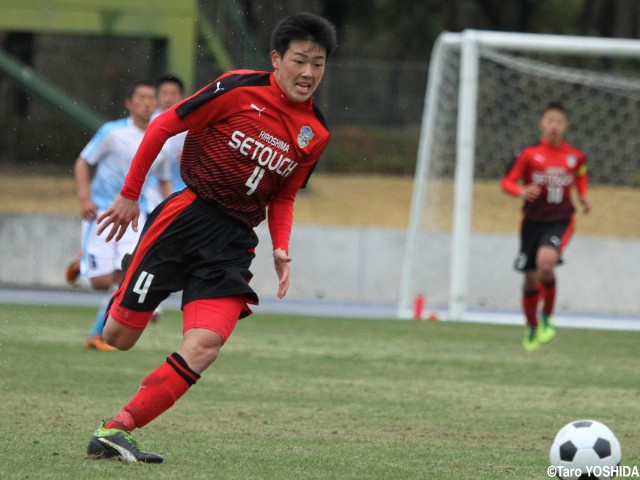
[(300, 70), (142, 103), (169, 94), (554, 125)]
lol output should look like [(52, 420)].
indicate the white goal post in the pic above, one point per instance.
[(471, 47)]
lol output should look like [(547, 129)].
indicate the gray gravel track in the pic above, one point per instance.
[(81, 297)]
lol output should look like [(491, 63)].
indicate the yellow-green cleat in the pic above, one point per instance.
[(546, 330), (116, 443), (530, 340)]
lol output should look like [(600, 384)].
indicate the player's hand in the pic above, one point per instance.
[(281, 261), (119, 215), (586, 204), (531, 192), (88, 210)]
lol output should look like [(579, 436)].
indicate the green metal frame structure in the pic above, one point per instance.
[(178, 23), (52, 96)]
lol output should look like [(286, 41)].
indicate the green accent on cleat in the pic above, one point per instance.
[(546, 331), (530, 340), (119, 444)]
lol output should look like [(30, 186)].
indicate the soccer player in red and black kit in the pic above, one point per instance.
[(548, 170), (254, 139)]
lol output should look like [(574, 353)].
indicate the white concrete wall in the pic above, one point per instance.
[(600, 276)]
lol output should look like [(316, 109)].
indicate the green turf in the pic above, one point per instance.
[(314, 398)]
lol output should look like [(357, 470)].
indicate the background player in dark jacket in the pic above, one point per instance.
[(548, 170), (254, 139)]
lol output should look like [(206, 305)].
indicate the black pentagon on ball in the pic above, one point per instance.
[(602, 447), (567, 451), (582, 423)]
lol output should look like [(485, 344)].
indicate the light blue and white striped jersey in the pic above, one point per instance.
[(175, 144), (111, 151)]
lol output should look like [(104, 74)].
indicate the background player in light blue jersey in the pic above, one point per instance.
[(169, 90), (110, 152)]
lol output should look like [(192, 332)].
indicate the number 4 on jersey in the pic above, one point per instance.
[(254, 179)]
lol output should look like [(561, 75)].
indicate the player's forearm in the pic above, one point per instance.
[(280, 220), (511, 187), (82, 176), (582, 185)]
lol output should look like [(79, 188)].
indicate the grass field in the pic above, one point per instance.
[(314, 398)]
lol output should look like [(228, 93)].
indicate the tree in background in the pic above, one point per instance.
[(382, 35), (406, 30)]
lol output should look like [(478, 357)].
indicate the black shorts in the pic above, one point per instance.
[(188, 244), (534, 235)]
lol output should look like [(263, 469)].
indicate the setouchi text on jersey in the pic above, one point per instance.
[(262, 153), (552, 177)]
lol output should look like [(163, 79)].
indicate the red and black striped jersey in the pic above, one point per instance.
[(248, 147), (555, 168), (247, 141)]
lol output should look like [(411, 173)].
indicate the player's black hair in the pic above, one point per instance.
[(554, 106), (168, 78), (304, 26), (131, 89)]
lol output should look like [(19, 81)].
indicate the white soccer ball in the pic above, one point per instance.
[(585, 449)]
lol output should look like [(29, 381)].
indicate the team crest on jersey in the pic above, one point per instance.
[(305, 136), (572, 161)]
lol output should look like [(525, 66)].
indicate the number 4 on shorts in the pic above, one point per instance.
[(142, 285)]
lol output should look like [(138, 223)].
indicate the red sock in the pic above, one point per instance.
[(530, 307), (158, 392), (548, 296)]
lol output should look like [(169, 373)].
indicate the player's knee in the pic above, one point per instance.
[(546, 271), (207, 352), (117, 341), (546, 261), (113, 341), (118, 337), (201, 350), (547, 275)]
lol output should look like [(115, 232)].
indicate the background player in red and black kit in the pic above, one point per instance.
[(548, 170), (254, 139)]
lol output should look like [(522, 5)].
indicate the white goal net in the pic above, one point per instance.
[(485, 94)]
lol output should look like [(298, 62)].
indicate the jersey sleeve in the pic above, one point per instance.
[(582, 178), (512, 176), (158, 132), (280, 219), (280, 209), (97, 146)]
